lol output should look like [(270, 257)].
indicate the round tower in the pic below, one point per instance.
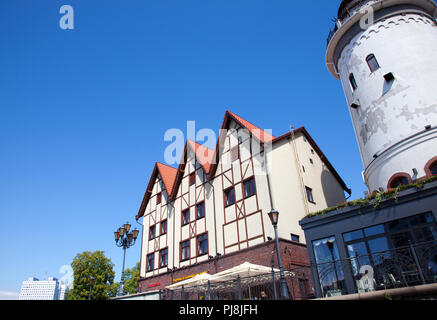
[(384, 52)]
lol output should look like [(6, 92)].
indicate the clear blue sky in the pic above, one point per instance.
[(83, 112)]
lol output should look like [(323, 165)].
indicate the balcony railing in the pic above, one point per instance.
[(348, 13)]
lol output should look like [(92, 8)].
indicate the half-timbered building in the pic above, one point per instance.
[(215, 203)]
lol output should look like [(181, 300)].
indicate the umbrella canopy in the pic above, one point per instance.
[(197, 280), (243, 270)]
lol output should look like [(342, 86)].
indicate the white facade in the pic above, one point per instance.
[(34, 289), (296, 164), (394, 119)]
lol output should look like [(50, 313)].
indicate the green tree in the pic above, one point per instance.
[(131, 277), (92, 264)]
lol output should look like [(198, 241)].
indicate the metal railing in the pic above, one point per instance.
[(348, 14), (408, 265), (259, 287), (405, 266)]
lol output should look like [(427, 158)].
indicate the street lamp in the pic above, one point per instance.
[(330, 244), (274, 216), (91, 286), (125, 240)]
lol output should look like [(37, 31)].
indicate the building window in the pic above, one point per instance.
[(200, 210), (158, 198), (329, 267), (185, 217), (311, 161), (398, 180), (229, 196), (372, 62), (192, 178), (163, 227), (163, 258), (309, 193), (150, 262), (185, 250), (202, 244), (353, 82), (380, 245), (249, 187), (433, 169), (152, 232), (294, 238), (235, 154)]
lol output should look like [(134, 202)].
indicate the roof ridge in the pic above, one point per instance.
[(265, 135)]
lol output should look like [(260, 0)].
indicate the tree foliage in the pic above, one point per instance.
[(131, 277), (92, 264)]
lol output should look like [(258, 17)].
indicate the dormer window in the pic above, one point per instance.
[(372, 62), (353, 82)]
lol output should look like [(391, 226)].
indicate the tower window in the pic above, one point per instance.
[(372, 62), (398, 181), (433, 169), (353, 82)]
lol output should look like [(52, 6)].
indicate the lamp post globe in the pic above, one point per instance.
[(124, 239)]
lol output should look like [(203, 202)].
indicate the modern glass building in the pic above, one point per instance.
[(383, 244)]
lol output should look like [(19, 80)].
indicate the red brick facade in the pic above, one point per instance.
[(293, 255)]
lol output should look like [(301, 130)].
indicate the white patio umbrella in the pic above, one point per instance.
[(197, 280), (243, 270)]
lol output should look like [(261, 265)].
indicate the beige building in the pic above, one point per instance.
[(216, 202)]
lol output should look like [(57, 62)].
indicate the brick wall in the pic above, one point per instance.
[(293, 255)]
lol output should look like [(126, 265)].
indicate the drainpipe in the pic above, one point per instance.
[(299, 170)]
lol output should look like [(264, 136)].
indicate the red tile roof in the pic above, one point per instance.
[(172, 177), (168, 175), (204, 154), (260, 134)]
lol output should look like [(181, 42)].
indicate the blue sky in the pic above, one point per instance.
[(83, 112)]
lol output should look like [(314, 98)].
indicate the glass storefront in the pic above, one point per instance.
[(384, 256), (398, 253)]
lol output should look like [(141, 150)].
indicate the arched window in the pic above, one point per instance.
[(372, 62), (353, 82), (431, 167), (399, 179)]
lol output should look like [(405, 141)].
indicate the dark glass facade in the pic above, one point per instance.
[(362, 249)]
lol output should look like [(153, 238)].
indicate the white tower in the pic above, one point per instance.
[(384, 52)]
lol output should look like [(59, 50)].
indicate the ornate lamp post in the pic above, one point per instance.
[(91, 286), (125, 240), (274, 215)]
